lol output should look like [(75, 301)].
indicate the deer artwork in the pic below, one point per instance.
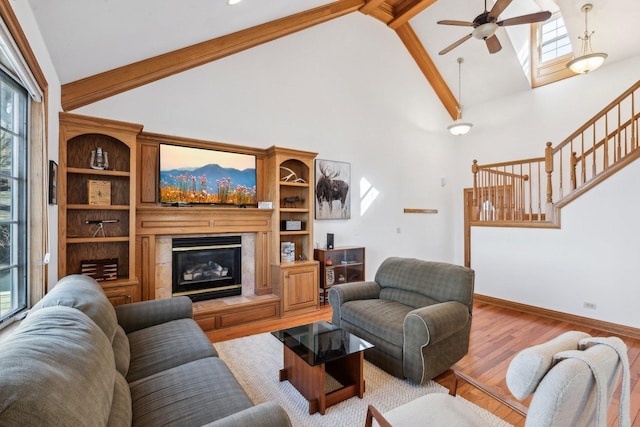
[(329, 189)]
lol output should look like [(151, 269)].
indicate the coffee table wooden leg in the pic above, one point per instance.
[(284, 375), (360, 378)]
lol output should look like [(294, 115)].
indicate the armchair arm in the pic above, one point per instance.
[(512, 404), (268, 414), (140, 315), (339, 294), (374, 414), (433, 323), (426, 351)]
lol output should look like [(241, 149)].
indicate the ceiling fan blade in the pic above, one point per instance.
[(493, 44), (497, 9), (454, 45), (459, 23), (525, 19)]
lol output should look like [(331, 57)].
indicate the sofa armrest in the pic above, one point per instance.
[(268, 414), (140, 315), (433, 323), (339, 294)]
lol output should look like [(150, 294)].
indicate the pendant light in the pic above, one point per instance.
[(458, 127), (587, 61)]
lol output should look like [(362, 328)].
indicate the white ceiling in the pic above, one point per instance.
[(87, 37)]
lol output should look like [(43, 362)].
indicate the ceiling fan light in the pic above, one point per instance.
[(484, 31), (459, 128), (232, 2), (586, 63)]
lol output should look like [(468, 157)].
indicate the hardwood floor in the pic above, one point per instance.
[(497, 334)]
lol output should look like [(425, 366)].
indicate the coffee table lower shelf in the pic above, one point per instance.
[(311, 381)]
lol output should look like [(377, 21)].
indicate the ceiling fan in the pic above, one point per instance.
[(486, 24)]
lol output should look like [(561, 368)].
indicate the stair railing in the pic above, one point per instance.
[(513, 191)]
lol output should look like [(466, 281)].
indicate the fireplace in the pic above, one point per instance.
[(207, 267)]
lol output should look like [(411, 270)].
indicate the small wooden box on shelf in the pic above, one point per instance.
[(337, 266)]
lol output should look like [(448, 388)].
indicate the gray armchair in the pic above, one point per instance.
[(416, 313)]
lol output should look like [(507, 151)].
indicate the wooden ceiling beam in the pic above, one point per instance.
[(100, 86), (428, 68), (403, 16), (370, 6)]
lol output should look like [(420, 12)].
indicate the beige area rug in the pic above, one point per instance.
[(256, 361)]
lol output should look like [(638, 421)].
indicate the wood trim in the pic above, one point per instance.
[(613, 328), (12, 23), (109, 83), (402, 17), (425, 63), (422, 211), (384, 13), (38, 277), (534, 223), (370, 6), (468, 209), (543, 73)]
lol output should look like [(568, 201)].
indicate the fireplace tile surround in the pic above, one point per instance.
[(157, 226), (164, 263)]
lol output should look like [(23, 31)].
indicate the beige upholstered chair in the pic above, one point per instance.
[(573, 376)]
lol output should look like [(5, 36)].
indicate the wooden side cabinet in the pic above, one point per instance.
[(297, 286), (339, 265)]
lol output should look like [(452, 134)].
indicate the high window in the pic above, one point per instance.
[(554, 40), (13, 197), (550, 51)]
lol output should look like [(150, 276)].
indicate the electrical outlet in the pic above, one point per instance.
[(590, 305)]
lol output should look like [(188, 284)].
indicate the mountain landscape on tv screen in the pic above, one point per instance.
[(208, 184)]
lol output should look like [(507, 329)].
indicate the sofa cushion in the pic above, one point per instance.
[(121, 351), (165, 346), (121, 413), (382, 318), (85, 294), (56, 368), (192, 394)]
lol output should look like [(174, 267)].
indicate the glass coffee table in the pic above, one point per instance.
[(324, 363)]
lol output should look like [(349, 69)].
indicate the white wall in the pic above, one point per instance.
[(590, 259), (28, 23), (347, 90)]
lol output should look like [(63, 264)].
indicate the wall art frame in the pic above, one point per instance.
[(332, 189)]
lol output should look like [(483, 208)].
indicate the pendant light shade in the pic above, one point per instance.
[(588, 61), (459, 127)]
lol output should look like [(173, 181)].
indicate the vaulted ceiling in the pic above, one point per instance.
[(105, 47)]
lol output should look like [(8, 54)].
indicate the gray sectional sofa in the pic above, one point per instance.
[(77, 361)]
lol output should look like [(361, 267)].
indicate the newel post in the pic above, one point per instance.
[(474, 198), (548, 167)]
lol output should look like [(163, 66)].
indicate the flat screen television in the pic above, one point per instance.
[(192, 175)]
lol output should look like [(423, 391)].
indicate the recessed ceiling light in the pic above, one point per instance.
[(233, 1)]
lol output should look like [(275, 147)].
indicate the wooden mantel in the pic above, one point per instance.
[(154, 221), (169, 220)]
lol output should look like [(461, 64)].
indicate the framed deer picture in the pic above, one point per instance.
[(333, 189)]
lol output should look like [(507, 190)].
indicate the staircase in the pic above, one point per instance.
[(530, 192)]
